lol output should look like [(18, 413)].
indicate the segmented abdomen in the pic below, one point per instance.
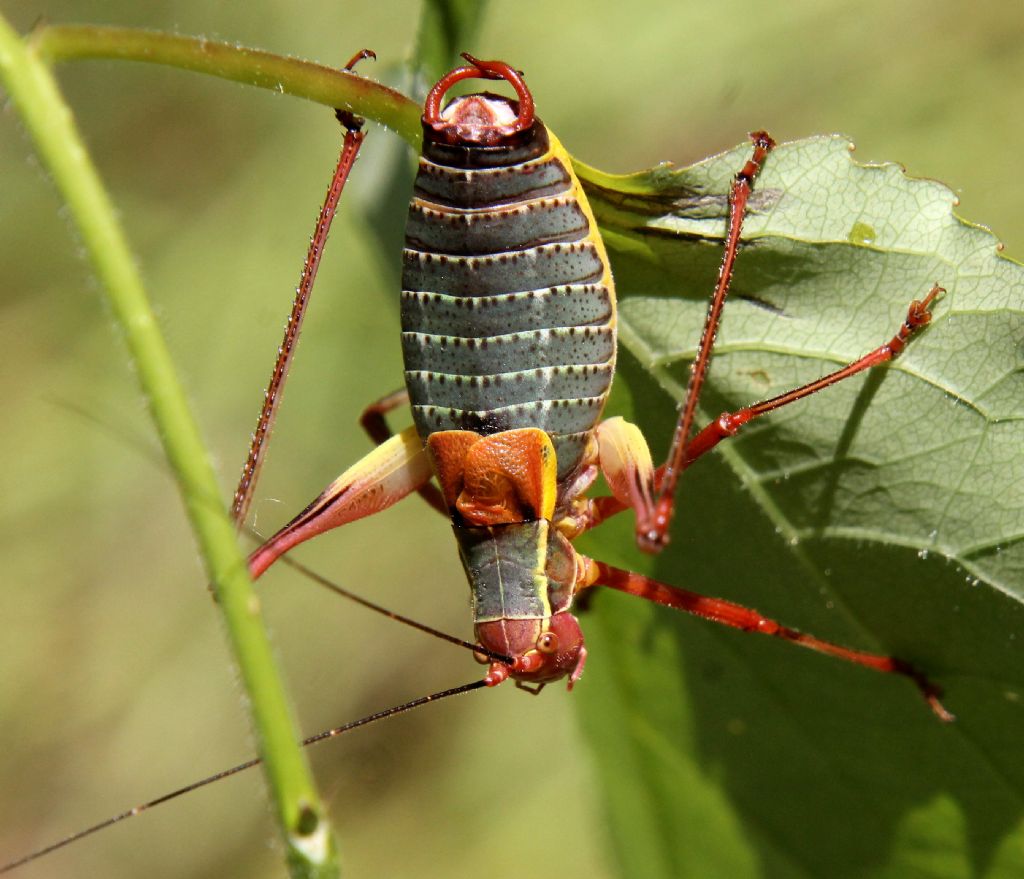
[(508, 308)]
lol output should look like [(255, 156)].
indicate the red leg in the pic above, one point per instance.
[(257, 448), (591, 512), (749, 620), (372, 420), (375, 424), (653, 535), (729, 423)]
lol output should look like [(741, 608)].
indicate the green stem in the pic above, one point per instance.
[(310, 845), (292, 76)]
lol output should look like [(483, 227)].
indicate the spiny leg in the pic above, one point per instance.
[(354, 137), (373, 420), (729, 423), (625, 459), (652, 535), (749, 620)]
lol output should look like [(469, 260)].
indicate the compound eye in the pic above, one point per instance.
[(548, 643)]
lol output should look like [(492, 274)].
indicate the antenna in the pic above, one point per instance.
[(235, 770), (383, 611)]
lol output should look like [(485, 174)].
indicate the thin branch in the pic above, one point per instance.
[(293, 76), (31, 86)]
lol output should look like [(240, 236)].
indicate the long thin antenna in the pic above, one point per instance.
[(234, 770), (383, 611)]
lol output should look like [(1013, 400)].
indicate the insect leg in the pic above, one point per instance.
[(654, 535), (625, 459), (354, 137), (749, 620), (374, 483), (374, 422), (257, 448), (729, 423)]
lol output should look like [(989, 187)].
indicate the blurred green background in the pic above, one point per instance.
[(115, 684)]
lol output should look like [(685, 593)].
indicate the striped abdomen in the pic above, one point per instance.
[(508, 307)]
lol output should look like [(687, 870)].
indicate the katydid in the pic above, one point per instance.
[(509, 342), (508, 320)]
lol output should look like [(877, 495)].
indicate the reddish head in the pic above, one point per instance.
[(540, 653)]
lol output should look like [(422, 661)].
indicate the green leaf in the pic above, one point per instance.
[(886, 513)]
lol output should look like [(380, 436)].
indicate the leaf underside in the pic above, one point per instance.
[(886, 513)]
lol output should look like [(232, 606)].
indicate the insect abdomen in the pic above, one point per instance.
[(508, 307)]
